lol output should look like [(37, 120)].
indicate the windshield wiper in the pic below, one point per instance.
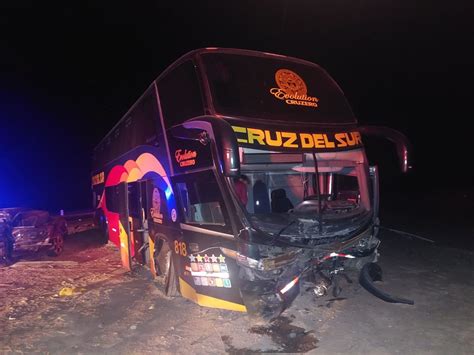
[(318, 194), (277, 235)]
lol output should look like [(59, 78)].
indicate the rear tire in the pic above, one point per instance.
[(57, 244)]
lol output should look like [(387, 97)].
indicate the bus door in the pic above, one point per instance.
[(208, 276), (159, 230), (137, 221), (119, 221)]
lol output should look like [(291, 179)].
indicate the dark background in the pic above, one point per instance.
[(69, 72)]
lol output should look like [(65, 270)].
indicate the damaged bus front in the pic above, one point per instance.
[(308, 208), (311, 214), (312, 207)]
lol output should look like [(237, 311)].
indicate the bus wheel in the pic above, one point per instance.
[(165, 270)]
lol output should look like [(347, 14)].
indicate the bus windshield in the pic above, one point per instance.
[(293, 196), (274, 88)]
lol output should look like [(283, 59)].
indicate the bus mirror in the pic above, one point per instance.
[(374, 178), (402, 143), (231, 162), (198, 135)]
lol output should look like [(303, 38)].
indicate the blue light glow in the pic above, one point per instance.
[(168, 192)]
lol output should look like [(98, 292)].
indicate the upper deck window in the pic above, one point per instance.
[(276, 89), (180, 95), (140, 127)]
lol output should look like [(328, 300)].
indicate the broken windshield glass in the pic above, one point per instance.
[(304, 198)]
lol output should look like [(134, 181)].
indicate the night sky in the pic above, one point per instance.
[(69, 72)]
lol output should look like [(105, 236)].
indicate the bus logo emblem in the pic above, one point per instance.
[(185, 157), (292, 89)]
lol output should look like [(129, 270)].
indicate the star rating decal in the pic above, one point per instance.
[(209, 271)]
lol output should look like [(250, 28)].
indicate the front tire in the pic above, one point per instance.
[(165, 271)]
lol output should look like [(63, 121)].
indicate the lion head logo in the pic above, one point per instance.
[(155, 210), (290, 82)]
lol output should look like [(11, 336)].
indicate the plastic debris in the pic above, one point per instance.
[(70, 291)]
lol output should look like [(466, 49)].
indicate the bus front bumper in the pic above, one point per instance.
[(267, 299)]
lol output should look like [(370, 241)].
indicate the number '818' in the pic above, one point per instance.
[(180, 248)]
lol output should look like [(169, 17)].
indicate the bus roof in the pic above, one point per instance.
[(263, 87), (266, 87)]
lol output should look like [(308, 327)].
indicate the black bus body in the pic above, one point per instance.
[(163, 180)]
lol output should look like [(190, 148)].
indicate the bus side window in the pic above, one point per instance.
[(184, 200), (134, 199), (112, 199), (200, 203)]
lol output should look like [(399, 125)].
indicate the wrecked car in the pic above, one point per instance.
[(28, 230)]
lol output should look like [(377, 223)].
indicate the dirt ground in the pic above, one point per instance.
[(84, 303)]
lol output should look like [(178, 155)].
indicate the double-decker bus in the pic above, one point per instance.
[(164, 180)]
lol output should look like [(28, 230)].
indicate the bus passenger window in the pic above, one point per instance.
[(201, 203), (111, 199)]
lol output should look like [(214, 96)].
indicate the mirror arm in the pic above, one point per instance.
[(224, 137)]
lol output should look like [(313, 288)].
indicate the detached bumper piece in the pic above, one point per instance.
[(372, 272), (266, 299), (261, 300)]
